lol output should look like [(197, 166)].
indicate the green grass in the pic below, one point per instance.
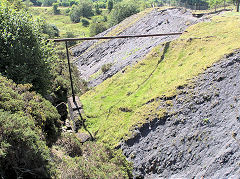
[(62, 21), (203, 44)]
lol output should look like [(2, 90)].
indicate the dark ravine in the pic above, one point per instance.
[(200, 134), (119, 53)]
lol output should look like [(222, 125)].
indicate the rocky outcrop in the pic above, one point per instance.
[(118, 53), (200, 134)]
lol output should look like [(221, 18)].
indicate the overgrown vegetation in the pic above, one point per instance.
[(25, 56), (141, 85), (30, 126), (31, 143), (70, 12), (94, 160), (123, 10)]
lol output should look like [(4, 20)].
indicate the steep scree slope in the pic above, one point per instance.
[(119, 53), (200, 134), (128, 99)]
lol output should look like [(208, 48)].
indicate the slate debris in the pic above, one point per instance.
[(201, 137), (123, 52)]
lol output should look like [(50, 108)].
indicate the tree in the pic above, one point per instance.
[(55, 8), (96, 28), (121, 11), (110, 5), (97, 10), (214, 3), (84, 9), (25, 56)]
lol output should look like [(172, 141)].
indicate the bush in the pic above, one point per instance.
[(97, 161), (67, 12), (23, 153), (85, 22), (71, 35), (55, 8), (96, 28), (65, 4), (25, 56), (75, 14), (102, 5), (51, 30), (17, 98), (84, 9), (97, 10), (28, 124), (110, 5), (106, 67), (48, 2), (122, 11)]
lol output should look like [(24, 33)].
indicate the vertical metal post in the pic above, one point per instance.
[(70, 72)]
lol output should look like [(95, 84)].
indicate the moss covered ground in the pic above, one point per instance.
[(121, 103)]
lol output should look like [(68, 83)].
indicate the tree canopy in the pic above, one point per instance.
[(25, 56)]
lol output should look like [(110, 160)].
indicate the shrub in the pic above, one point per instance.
[(25, 56), (51, 30), (106, 67), (84, 9), (96, 28), (97, 10), (23, 153), (122, 11), (75, 14), (102, 5), (55, 8), (67, 12), (17, 98), (28, 124), (97, 161), (70, 144), (85, 22), (70, 35), (110, 5), (65, 4), (48, 2)]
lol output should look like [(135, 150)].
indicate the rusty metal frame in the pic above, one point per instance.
[(99, 38), (75, 105)]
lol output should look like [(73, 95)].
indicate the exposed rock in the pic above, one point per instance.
[(123, 52), (62, 110), (83, 137), (200, 136)]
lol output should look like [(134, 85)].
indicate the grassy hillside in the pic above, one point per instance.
[(63, 22), (129, 98)]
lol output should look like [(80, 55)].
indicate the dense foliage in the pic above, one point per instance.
[(83, 9), (17, 98), (96, 28), (55, 8), (25, 56), (28, 123), (92, 161), (122, 11)]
